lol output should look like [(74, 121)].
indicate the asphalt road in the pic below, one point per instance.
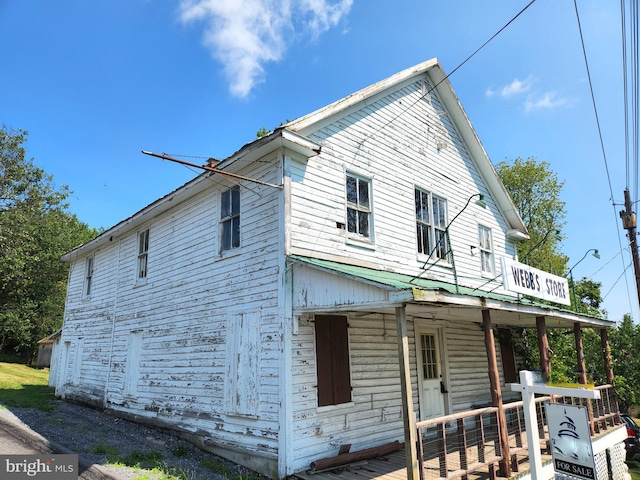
[(18, 439)]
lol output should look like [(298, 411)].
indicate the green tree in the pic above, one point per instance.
[(535, 191), (625, 345), (35, 230)]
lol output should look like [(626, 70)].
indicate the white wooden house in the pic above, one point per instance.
[(324, 286)]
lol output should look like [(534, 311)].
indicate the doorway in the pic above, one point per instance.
[(431, 382)]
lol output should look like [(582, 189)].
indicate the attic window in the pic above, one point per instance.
[(230, 219), (88, 276), (143, 254)]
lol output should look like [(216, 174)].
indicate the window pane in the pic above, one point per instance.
[(439, 213), (142, 266), (225, 240), (235, 201), (363, 193), (235, 232), (424, 245), (352, 217), (143, 245), (422, 206), (485, 259), (442, 245), (363, 224), (225, 204), (352, 191)]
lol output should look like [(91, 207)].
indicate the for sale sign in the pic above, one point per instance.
[(570, 440)]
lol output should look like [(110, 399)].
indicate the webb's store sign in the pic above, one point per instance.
[(521, 278)]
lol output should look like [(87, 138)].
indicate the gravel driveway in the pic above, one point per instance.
[(87, 431)]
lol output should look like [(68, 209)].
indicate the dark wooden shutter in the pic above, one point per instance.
[(332, 360)]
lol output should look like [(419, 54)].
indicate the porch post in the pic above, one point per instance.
[(543, 348), (608, 370), (408, 417), (496, 392), (582, 373), (606, 353)]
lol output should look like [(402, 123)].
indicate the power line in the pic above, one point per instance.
[(595, 109), (593, 100), (410, 106)]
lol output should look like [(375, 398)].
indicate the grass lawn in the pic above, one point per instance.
[(634, 468), (24, 386)]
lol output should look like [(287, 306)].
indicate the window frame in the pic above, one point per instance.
[(360, 208), (142, 258), (333, 361), (89, 267), (437, 238), (486, 252), (230, 219)]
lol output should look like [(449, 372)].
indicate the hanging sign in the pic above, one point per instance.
[(570, 440), (520, 278)]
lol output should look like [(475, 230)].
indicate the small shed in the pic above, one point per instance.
[(45, 348)]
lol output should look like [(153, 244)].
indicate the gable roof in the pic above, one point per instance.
[(434, 72), (293, 136)]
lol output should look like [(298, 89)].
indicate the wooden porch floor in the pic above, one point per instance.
[(393, 467)]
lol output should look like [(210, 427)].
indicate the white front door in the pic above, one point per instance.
[(430, 378)]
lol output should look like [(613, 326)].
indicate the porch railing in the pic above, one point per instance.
[(455, 446)]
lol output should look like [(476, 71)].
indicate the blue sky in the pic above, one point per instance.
[(96, 82)]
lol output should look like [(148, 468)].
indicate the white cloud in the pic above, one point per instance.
[(514, 88), (547, 100), (245, 34)]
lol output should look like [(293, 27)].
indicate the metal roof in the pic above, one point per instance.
[(405, 289)]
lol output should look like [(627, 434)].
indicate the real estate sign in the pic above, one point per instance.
[(520, 278), (570, 440)]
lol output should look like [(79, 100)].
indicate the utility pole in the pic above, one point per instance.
[(629, 223)]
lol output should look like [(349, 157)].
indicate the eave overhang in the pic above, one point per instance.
[(251, 152)]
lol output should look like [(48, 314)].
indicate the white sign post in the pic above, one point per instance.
[(530, 384)]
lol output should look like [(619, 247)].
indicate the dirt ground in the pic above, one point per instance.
[(87, 431)]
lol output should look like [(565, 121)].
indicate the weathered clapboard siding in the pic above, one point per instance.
[(180, 314), (374, 415), (398, 149), (469, 370)]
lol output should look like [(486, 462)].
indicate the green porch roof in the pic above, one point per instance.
[(418, 286)]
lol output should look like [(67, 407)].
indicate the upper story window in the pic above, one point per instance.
[(485, 243), (88, 277), (358, 206), (143, 254), (230, 219), (431, 225)]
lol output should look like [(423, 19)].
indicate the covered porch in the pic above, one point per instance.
[(467, 445), (467, 442)]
